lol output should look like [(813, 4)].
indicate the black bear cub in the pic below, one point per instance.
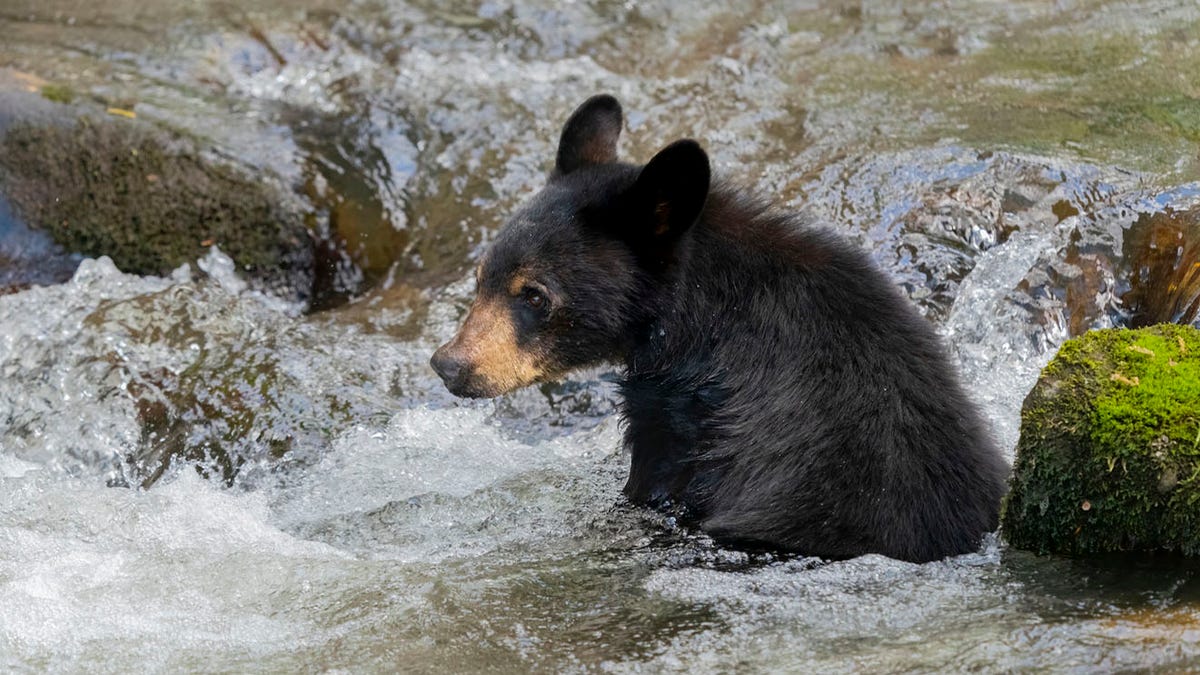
[(776, 384)]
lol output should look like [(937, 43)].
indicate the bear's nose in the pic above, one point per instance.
[(449, 368)]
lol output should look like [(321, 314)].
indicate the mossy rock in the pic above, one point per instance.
[(1109, 455), (152, 201)]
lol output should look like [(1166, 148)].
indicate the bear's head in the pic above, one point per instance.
[(570, 278)]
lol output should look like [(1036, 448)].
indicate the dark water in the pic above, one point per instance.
[(1019, 168), (28, 256)]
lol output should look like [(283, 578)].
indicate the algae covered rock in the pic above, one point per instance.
[(1109, 455), (152, 201)]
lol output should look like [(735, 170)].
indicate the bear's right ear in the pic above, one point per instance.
[(590, 135), (671, 191)]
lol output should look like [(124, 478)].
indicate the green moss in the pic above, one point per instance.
[(1109, 456), (59, 93)]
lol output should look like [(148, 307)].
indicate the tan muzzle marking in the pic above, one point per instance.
[(487, 341)]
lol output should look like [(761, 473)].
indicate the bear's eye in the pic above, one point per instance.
[(534, 298)]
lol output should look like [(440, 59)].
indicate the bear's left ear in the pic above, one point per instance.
[(672, 188), (590, 135)]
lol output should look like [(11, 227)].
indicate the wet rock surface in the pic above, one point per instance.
[(1162, 264)]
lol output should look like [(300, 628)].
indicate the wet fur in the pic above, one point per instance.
[(776, 384), (789, 396)]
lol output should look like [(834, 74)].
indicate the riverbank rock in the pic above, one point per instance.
[(152, 201), (1109, 454)]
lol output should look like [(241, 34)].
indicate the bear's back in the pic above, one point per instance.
[(792, 397)]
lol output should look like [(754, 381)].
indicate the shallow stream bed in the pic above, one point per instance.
[(317, 501)]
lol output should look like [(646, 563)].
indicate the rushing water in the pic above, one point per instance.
[(317, 501)]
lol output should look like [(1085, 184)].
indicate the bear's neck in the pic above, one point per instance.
[(721, 263)]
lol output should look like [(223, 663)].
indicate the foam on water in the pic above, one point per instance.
[(437, 483), (108, 577), (190, 574), (45, 351)]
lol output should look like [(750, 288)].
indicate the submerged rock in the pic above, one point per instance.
[(152, 201), (1109, 454), (1162, 256)]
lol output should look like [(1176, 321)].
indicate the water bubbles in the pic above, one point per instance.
[(11, 467), (222, 269)]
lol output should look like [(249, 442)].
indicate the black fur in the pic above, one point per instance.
[(776, 384)]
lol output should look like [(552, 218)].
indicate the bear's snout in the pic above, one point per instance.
[(485, 358), (452, 368)]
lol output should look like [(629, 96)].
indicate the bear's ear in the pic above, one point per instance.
[(672, 188), (590, 135)]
